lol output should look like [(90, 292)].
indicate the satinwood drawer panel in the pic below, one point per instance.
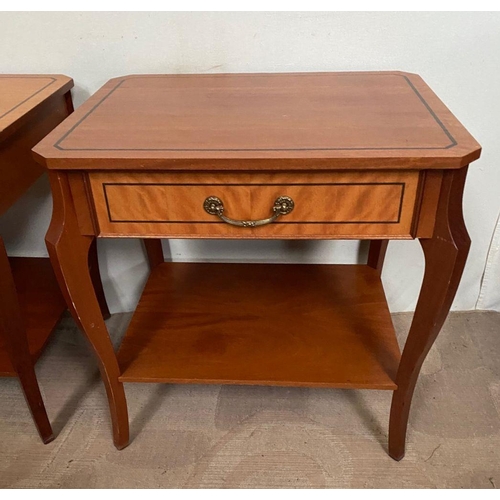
[(326, 205)]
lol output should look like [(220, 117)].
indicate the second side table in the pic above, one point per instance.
[(31, 302)]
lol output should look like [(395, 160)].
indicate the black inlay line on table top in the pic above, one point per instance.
[(453, 142), (32, 95)]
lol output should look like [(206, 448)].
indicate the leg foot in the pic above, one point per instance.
[(396, 457)]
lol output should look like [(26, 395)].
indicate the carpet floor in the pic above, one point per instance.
[(195, 436)]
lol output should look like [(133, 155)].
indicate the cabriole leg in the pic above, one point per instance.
[(445, 256), (69, 254)]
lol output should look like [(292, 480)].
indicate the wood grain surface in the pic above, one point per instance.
[(334, 204), (22, 95), (262, 324), (259, 121), (18, 169)]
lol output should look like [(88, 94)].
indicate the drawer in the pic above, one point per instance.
[(325, 205)]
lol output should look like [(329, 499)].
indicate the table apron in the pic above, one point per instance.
[(388, 204)]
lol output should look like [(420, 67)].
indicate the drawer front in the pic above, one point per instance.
[(333, 205)]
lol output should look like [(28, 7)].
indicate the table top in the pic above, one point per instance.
[(261, 121), (22, 95)]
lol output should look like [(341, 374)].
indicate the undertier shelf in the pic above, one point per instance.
[(41, 303), (262, 324)]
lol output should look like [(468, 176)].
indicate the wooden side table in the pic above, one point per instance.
[(372, 156), (31, 302)]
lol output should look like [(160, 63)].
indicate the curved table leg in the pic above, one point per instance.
[(13, 332), (69, 254), (445, 256)]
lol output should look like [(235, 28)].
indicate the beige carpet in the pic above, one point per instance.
[(246, 437)]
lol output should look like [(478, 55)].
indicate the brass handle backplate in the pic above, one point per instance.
[(282, 206)]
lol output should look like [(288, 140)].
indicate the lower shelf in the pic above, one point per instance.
[(41, 303), (262, 324)]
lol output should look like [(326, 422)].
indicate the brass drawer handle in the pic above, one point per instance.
[(282, 206)]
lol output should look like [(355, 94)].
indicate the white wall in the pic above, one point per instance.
[(458, 54)]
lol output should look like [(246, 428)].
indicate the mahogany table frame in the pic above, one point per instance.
[(440, 230), (31, 303)]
